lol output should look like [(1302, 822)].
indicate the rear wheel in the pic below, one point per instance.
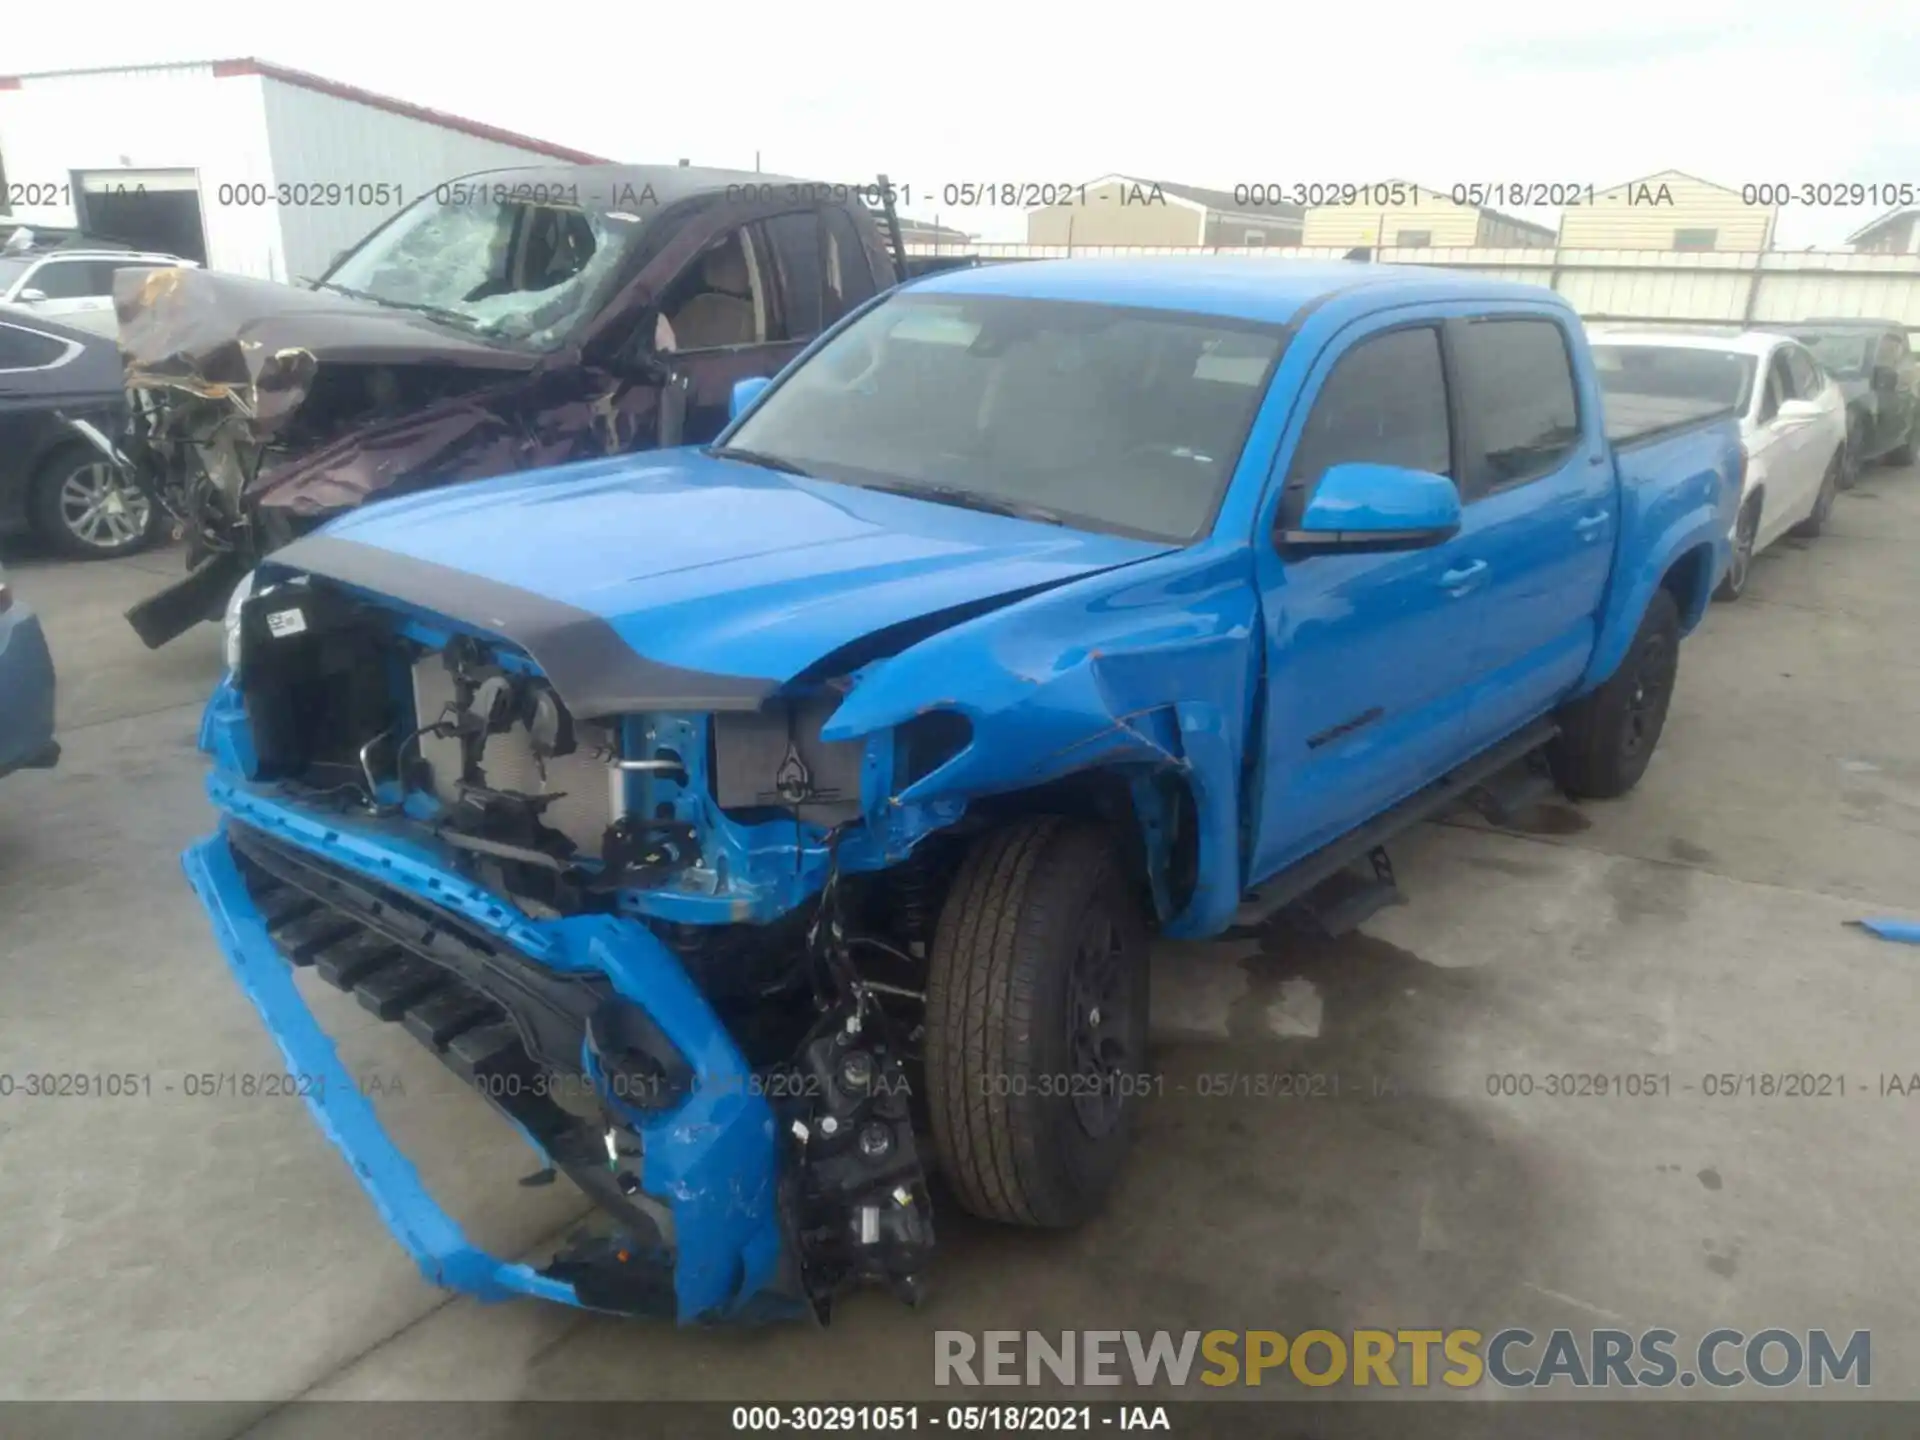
[(1745, 531), (1851, 451), (1810, 528), (1607, 737), (1036, 1023), (84, 507)]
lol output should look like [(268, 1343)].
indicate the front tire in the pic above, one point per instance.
[(1746, 530), (1036, 1023), (84, 509), (1607, 736), (1851, 452)]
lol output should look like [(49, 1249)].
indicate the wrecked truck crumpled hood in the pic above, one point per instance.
[(676, 580), (259, 343)]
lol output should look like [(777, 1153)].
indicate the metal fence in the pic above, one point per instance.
[(1641, 286)]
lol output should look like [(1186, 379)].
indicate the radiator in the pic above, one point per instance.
[(589, 788)]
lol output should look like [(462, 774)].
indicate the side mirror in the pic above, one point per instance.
[(1798, 411), (1364, 508), (745, 392), (1885, 377), (32, 295)]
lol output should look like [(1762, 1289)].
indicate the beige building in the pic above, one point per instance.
[(1399, 213), (1895, 233), (1126, 210), (931, 232), (1668, 211)]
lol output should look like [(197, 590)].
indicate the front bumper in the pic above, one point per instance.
[(707, 1166)]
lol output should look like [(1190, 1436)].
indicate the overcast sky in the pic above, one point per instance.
[(1203, 93)]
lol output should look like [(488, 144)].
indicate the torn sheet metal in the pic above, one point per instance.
[(260, 345)]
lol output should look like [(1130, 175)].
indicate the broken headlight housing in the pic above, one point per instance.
[(230, 622)]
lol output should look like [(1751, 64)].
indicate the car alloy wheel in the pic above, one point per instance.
[(1099, 1021), (1740, 565), (100, 512), (1652, 688)]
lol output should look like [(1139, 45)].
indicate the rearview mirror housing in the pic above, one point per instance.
[(745, 392), (32, 295), (1798, 410), (1362, 508)]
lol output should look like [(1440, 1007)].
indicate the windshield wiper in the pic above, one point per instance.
[(760, 458), (452, 317), (965, 499)]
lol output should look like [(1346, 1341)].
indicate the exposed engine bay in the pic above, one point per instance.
[(354, 712), (204, 457)]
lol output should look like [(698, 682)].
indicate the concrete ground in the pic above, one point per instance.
[(176, 1246)]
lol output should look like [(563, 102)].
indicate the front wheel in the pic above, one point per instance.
[(84, 507), (1850, 453), (1607, 736), (1746, 530), (1036, 1023)]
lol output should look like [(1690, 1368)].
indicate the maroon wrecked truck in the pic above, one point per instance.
[(508, 320)]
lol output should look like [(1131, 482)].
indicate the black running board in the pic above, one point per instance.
[(1289, 885)]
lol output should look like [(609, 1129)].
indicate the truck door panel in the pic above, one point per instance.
[(1367, 655), (1541, 514)]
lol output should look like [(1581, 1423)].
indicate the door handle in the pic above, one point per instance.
[(1458, 580), (1588, 526)]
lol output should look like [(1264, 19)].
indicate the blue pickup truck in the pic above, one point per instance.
[(763, 826)]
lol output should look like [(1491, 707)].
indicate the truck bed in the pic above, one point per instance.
[(1634, 419)]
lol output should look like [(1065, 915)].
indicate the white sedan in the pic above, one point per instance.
[(1793, 420), (72, 286)]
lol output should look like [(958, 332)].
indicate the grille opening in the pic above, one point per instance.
[(588, 793)]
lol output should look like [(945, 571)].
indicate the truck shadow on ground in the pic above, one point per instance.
[(1279, 1181)]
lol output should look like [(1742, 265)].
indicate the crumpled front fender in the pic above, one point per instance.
[(1151, 665)]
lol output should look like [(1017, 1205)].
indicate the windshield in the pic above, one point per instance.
[(1844, 352), (505, 262), (1118, 420), (11, 271), (1720, 377)]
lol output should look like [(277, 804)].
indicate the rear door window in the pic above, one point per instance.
[(28, 349), (1523, 410)]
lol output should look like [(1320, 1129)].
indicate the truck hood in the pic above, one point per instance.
[(677, 580), (259, 343)]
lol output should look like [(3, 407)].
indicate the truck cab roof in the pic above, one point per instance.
[(1275, 292)]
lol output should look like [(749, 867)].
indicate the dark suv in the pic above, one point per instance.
[(1876, 372), (505, 321)]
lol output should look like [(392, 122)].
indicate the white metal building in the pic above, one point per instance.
[(242, 165)]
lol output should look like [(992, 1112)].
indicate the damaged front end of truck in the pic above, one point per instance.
[(259, 408), (674, 923)]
